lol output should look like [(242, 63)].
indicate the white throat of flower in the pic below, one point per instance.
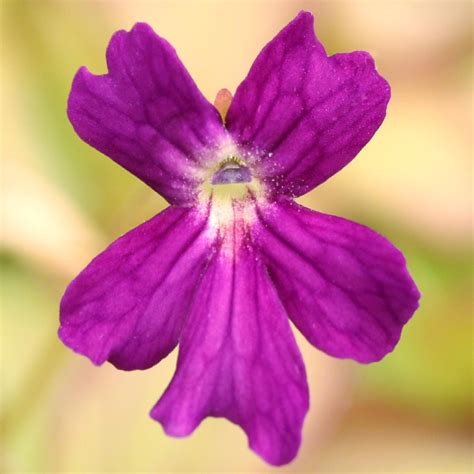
[(229, 193)]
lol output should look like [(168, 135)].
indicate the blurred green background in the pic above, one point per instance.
[(63, 202)]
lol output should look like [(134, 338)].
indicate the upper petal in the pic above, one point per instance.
[(238, 359), (147, 114), (344, 286), (303, 114), (129, 304)]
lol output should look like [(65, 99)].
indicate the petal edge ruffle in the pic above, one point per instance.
[(303, 114), (147, 114), (129, 304), (344, 286), (238, 359)]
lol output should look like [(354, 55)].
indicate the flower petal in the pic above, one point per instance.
[(238, 359), (344, 286), (128, 306), (147, 113), (303, 114)]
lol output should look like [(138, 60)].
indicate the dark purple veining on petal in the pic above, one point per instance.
[(238, 359), (306, 114), (129, 305), (224, 287), (345, 287), (147, 114)]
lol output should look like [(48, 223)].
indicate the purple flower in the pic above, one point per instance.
[(222, 269)]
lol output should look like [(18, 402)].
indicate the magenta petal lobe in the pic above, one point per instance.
[(225, 268), (147, 114), (304, 114), (129, 304), (344, 286), (238, 359)]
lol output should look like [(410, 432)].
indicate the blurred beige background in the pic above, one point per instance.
[(62, 202)]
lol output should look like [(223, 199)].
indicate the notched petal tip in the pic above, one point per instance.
[(147, 114), (360, 64), (269, 453), (173, 428), (350, 293), (304, 17), (302, 26), (117, 45), (70, 341), (142, 27), (129, 304), (307, 115), (75, 107), (238, 359)]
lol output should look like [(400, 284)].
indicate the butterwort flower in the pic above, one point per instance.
[(233, 258)]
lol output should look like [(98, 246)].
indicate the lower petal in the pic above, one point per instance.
[(128, 305), (344, 286), (238, 359)]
